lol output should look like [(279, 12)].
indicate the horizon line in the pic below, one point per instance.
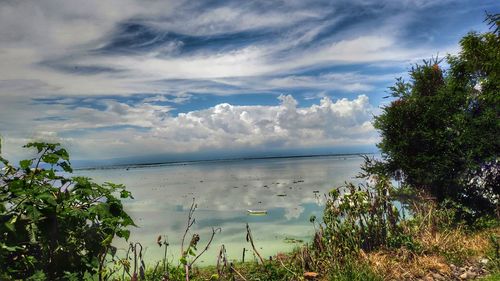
[(188, 162)]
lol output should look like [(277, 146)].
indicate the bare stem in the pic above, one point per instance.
[(282, 264), (221, 258), (250, 239), (237, 272), (214, 231), (190, 223)]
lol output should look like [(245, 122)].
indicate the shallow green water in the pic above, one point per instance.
[(290, 189)]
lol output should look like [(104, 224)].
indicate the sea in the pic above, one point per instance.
[(288, 190)]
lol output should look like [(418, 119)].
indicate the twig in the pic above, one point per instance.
[(282, 264), (214, 231), (190, 223), (127, 258), (221, 258), (36, 166), (31, 180), (250, 239), (237, 272), (165, 261)]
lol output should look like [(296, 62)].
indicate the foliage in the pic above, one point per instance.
[(441, 129), (53, 226), (362, 218)]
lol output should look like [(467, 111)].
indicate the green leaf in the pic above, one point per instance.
[(127, 220), (125, 194), (9, 248), (50, 158), (101, 210), (107, 241), (47, 198), (66, 167), (10, 226), (63, 154), (123, 233), (25, 164), (191, 252), (38, 145)]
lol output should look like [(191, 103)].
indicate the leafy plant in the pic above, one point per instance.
[(361, 218), (440, 132), (53, 226)]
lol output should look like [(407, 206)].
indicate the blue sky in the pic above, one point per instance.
[(164, 80)]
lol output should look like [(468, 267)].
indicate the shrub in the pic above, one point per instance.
[(54, 227), (441, 129), (362, 217)]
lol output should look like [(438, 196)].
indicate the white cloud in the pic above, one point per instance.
[(346, 81), (65, 32), (224, 126), (40, 36)]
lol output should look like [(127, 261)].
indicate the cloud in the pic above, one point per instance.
[(53, 43), (128, 73), (118, 129)]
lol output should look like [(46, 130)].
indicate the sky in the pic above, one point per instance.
[(150, 81)]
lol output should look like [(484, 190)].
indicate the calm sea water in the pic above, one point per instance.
[(290, 189)]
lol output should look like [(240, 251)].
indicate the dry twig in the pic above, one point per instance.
[(250, 239)]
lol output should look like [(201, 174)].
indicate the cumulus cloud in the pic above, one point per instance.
[(285, 125), (118, 129)]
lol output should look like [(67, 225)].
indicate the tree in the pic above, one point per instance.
[(54, 227), (441, 130)]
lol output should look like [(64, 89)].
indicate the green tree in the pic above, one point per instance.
[(53, 227), (441, 131)]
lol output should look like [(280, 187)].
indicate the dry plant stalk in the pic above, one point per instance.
[(250, 239), (194, 240), (237, 272), (221, 260), (190, 223), (214, 231), (278, 257)]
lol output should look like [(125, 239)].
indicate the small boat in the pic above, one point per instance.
[(257, 212)]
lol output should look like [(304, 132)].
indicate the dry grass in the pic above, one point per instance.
[(439, 246), (439, 250), (406, 266)]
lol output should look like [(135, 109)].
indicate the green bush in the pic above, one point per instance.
[(55, 227), (363, 217), (440, 132)]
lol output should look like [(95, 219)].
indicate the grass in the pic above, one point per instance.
[(438, 251), (431, 242), (492, 277), (363, 237)]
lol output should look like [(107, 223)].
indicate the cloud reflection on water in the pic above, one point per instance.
[(224, 191)]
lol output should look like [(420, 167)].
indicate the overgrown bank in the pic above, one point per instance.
[(64, 232)]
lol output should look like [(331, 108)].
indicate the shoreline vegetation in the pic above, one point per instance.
[(439, 141)]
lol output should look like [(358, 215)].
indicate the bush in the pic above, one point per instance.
[(363, 217), (54, 227), (441, 129)]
